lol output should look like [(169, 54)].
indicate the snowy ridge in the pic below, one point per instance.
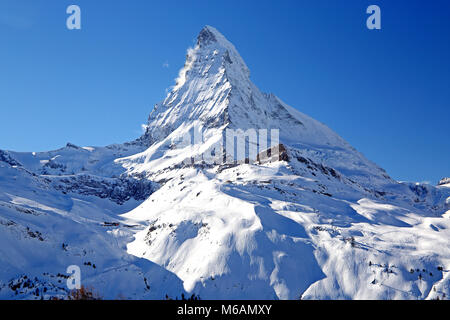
[(319, 222)]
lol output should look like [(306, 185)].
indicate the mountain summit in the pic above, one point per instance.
[(213, 71), (294, 212), (214, 92)]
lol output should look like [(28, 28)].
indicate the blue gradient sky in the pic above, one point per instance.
[(386, 92)]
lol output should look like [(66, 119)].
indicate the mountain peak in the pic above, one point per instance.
[(207, 35), (214, 89), (210, 35), (213, 68), (212, 46)]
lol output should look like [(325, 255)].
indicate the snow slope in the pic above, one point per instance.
[(319, 222)]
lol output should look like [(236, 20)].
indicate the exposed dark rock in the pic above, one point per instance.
[(5, 157), (275, 153), (118, 190), (71, 145), (206, 37)]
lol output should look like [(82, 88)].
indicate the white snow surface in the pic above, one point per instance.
[(323, 223)]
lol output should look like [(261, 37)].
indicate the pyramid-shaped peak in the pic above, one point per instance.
[(210, 38), (212, 43), (207, 35), (213, 73), (210, 35)]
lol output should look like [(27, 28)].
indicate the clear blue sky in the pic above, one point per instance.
[(386, 92)]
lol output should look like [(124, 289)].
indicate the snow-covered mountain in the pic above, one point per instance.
[(180, 210)]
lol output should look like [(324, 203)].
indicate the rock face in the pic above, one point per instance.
[(444, 181), (119, 190), (6, 158), (293, 211)]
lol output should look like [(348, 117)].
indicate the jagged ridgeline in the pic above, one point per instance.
[(189, 209)]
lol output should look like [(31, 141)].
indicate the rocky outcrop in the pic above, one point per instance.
[(5, 157), (118, 190)]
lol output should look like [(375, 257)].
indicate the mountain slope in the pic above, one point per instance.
[(183, 210)]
